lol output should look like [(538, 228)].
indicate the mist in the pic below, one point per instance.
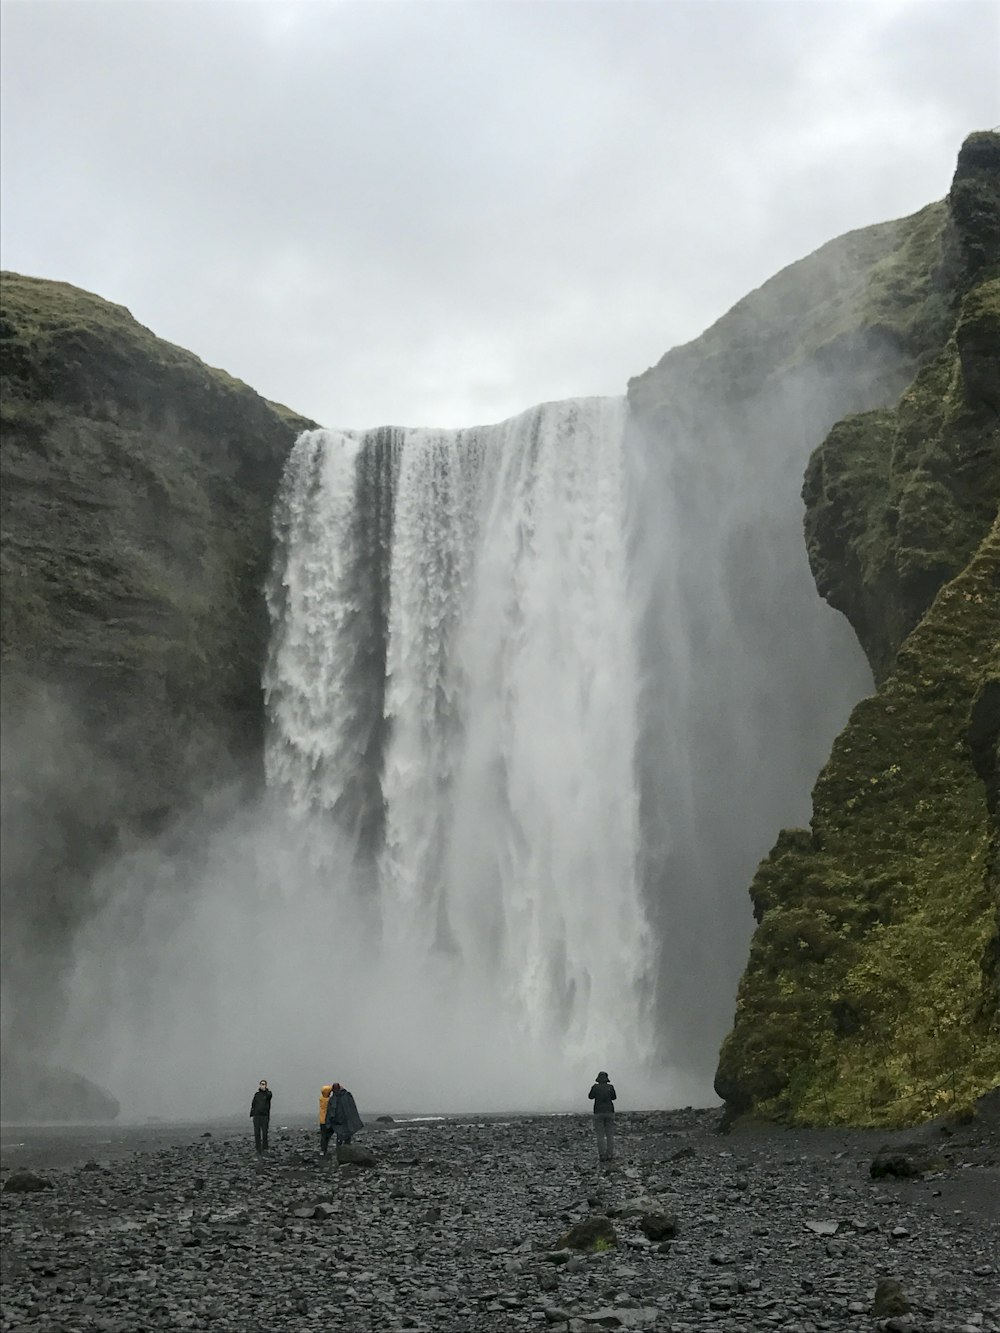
[(226, 954)]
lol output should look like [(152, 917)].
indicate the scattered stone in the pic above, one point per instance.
[(824, 1228), (642, 1203), (621, 1318), (558, 1256), (135, 1245)]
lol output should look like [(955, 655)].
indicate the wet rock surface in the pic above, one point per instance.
[(457, 1228)]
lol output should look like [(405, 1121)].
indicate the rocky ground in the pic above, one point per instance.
[(461, 1225)]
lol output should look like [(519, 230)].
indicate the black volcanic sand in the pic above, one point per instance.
[(457, 1228)]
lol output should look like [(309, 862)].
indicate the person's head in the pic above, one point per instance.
[(335, 1087), (263, 1085), (326, 1089), (602, 1077)]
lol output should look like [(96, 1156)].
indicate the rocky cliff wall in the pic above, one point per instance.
[(137, 491), (871, 992)]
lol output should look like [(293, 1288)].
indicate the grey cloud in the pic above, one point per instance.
[(443, 213)]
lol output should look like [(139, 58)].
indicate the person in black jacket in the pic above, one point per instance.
[(603, 1094), (260, 1114)]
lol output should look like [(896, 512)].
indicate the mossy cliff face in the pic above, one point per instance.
[(897, 501), (871, 993), (137, 489), (725, 426)]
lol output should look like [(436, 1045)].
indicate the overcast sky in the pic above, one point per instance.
[(440, 214)]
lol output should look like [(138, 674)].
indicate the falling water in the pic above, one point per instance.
[(453, 679), (540, 695)]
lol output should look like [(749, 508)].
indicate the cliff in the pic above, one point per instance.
[(728, 423), (137, 490), (871, 993)]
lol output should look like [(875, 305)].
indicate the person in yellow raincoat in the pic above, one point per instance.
[(325, 1131)]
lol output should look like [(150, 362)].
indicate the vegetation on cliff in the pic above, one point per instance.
[(864, 304), (137, 491), (871, 992)]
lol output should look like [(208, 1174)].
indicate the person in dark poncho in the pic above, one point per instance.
[(603, 1095), (342, 1116)]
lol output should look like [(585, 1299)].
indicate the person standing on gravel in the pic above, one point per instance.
[(260, 1114), (342, 1116), (603, 1095), (325, 1132)]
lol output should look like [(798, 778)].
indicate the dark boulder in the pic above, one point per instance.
[(595, 1232), (889, 1298), (908, 1161), (658, 1226), (349, 1154), (25, 1182)]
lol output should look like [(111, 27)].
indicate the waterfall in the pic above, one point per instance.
[(540, 694), (453, 683)]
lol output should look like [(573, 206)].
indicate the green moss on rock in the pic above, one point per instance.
[(866, 996), (896, 502), (872, 992)]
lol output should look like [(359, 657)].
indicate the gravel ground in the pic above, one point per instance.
[(459, 1228)]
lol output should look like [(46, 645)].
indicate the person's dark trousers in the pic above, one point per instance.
[(604, 1128), (260, 1132), (324, 1139)]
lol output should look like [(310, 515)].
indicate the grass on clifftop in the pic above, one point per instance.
[(880, 283), (43, 321)]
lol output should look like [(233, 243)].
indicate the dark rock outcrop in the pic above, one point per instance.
[(25, 1182)]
